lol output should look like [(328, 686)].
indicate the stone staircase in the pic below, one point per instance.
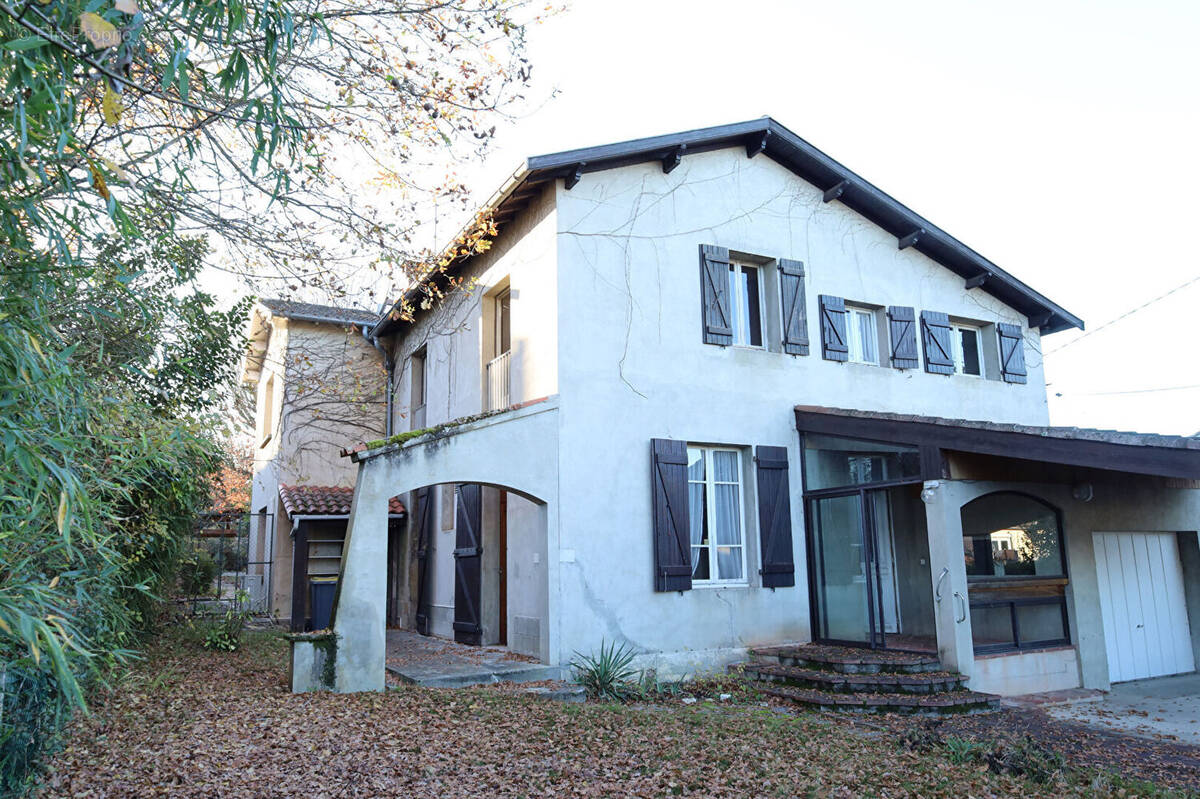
[(861, 680)]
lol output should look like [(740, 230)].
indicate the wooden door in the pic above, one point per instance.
[(424, 533), (502, 545), (468, 565)]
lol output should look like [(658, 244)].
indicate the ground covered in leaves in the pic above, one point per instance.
[(191, 723)]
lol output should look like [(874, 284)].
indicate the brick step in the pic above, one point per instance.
[(848, 660), (932, 682), (934, 704)]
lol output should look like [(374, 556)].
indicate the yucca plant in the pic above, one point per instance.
[(609, 674)]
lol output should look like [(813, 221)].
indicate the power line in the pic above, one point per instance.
[(1125, 315), (1132, 391)]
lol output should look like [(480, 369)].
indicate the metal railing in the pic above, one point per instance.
[(498, 382)]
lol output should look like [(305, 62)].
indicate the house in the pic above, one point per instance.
[(711, 391), (316, 380)]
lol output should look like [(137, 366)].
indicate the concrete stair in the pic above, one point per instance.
[(862, 680)]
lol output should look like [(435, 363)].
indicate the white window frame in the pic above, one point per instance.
[(854, 344), (710, 503), (739, 310), (960, 362)]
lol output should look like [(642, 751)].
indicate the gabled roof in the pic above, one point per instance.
[(311, 312), (839, 184), (1138, 453), (309, 500)]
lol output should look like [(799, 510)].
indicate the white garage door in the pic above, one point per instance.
[(1142, 604)]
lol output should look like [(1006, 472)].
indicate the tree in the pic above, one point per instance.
[(254, 122)]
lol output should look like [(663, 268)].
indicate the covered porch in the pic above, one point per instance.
[(1052, 558), (492, 558)]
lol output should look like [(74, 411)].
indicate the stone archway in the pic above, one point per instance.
[(516, 450)]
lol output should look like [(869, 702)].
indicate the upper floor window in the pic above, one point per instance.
[(862, 335), (419, 391), (268, 411), (715, 514), (746, 302), (967, 342), (503, 321)]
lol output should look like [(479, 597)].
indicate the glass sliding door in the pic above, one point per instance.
[(842, 576)]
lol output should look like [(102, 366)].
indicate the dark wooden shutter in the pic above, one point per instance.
[(672, 538), (468, 564), (775, 517), (833, 328), (423, 526), (902, 325), (795, 311), (1012, 353), (714, 295), (935, 335)]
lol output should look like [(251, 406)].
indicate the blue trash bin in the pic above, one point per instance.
[(321, 591)]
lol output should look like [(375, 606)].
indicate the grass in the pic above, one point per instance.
[(189, 722)]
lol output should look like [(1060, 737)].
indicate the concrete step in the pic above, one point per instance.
[(932, 682), (458, 675), (933, 704), (848, 660)]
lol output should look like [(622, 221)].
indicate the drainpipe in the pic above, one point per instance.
[(389, 365)]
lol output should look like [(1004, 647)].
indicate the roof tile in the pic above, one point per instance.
[(312, 500)]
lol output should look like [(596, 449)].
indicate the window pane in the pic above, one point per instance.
[(729, 563), (992, 626), (753, 316), (867, 336), (1037, 623), (1011, 535), (700, 569), (830, 462), (728, 524), (969, 339), (737, 305), (695, 464), (725, 466), (697, 514)]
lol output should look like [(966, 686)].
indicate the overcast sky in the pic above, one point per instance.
[(1057, 138)]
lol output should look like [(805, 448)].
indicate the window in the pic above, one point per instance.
[(745, 293), (503, 331), (862, 335), (831, 462), (268, 411), (715, 515), (1016, 574), (417, 401), (968, 349)]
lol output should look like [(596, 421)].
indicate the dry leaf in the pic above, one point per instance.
[(62, 497), (99, 31), (127, 6), (112, 106), (100, 184)]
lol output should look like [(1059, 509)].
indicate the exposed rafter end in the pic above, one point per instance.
[(833, 192), (978, 280), (758, 144), (1041, 320), (911, 238), (673, 158), (575, 175)]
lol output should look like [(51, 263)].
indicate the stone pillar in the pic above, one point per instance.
[(359, 611), (948, 571)]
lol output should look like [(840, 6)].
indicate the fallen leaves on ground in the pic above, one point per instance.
[(191, 723)]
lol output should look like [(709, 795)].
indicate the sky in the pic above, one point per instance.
[(1057, 138)]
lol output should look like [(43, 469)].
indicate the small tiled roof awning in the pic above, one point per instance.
[(1137, 453), (309, 500)]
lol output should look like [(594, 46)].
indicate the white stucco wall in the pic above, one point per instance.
[(633, 366)]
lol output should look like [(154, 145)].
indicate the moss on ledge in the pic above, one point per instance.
[(436, 430)]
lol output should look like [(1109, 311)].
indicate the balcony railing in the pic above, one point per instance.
[(498, 382)]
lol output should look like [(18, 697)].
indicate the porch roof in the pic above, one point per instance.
[(1114, 450), (311, 500)]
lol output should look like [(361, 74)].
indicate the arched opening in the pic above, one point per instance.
[(1016, 572), (470, 568)]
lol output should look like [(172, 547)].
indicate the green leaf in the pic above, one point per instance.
[(26, 43)]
